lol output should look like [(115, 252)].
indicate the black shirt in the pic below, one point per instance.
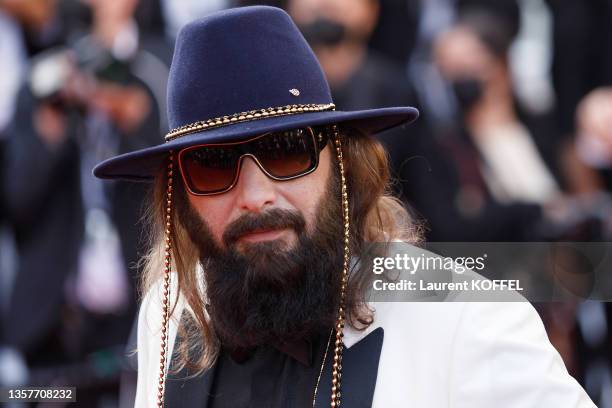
[(282, 375)]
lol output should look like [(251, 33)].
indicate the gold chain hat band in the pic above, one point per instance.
[(246, 117)]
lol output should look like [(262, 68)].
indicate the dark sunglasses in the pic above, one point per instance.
[(214, 168)]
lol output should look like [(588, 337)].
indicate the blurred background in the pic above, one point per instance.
[(514, 144)]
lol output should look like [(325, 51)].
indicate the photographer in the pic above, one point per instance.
[(73, 300)]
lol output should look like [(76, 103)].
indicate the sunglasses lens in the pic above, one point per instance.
[(286, 154), (210, 169)]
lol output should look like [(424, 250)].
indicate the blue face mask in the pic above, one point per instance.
[(323, 31), (468, 92)]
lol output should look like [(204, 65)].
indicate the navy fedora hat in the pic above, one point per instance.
[(239, 73)]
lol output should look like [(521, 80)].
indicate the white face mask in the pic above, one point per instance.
[(594, 151)]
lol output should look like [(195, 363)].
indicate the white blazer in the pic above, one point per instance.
[(434, 355)]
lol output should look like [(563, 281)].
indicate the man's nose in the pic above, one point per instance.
[(255, 190)]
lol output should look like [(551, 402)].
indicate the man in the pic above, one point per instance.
[(260, 212)]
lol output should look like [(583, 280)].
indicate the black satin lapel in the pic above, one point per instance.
[(183, 391), (359, 372)]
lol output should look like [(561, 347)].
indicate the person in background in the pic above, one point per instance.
[(339, 31), (73, 302), (594, 135), (487, 171), (473, 57), (582, 75)]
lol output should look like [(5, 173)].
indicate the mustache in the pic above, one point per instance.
[(269, 220)]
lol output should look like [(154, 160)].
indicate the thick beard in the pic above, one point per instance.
[(268, 293)]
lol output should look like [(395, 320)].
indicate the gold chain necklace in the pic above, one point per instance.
[(339, 326), (314, 396)]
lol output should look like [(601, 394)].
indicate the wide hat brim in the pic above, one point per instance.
[(145, 164)]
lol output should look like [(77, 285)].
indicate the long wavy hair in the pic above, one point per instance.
[(376, 216)]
